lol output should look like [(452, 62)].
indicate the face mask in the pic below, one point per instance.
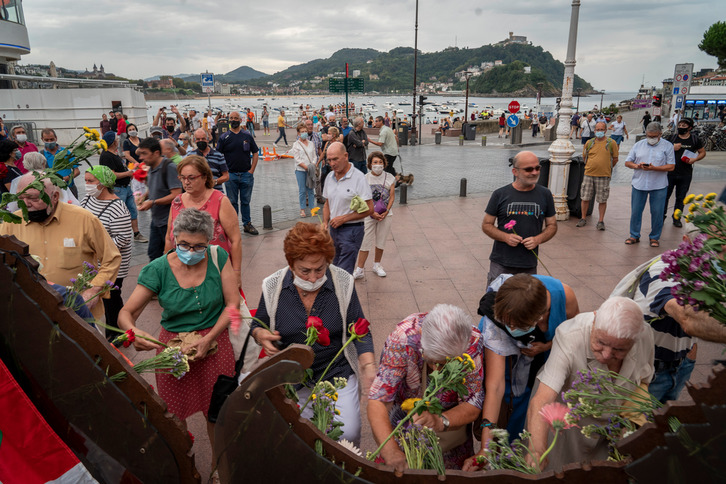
[(133, 134), (180, 142), (517, 333), (653, 141), (188, 257), (22, 138), (38, 215), (202, 145), (308, 286), (304, 136), (377, 169), (234, 124), (51, 146), (682, 130), (599, 134), (18, 155), (93, 190), (170, 129)]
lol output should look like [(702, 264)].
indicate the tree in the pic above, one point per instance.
[(714, 42)]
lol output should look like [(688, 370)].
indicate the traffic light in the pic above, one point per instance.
[(421, 99), (657, 100)]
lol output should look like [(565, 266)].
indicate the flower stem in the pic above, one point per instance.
[(552, 445), (118, 330), (535, 254), (350, 340)]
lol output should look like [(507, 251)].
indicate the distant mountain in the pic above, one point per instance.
[(243, 73)]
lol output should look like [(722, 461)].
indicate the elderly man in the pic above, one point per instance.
[(346, 225), (587, 128), (356, 142), (215, 159), (613, 338), (64, 236), (530, 206), (169, 150), (651, 159), (601, 156)]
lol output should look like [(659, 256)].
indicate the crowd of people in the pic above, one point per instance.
[(531, 339)]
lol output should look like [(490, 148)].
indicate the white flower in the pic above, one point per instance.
[(351, 447)]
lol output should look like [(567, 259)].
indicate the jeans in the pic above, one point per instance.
[(667, 384), (347, 240), (496, 270), (251, 128), (304, 190), (681, 184), (156, 241), (239, 187), (657, 206), (361, 165), (324, 171), (112, 307), (127, 196), (282, 135)]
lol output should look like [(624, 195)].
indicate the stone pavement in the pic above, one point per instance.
[(437, 253)]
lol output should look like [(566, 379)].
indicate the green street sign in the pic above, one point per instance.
[(355, 84)]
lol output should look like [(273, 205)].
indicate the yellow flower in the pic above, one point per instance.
[(314, 396), (709, 203), (709, 212), (693, 207), (86, 129), (88, 135), (314, 211), (677, 214), (96, 134), (459, 358), (334, 396), (408, 404), (103, 144), (463, 381), (711, 196), (689, 217), (337, 412), (689, 199), (699, 197)]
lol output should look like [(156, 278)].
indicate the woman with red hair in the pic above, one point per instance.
[(311, 286)]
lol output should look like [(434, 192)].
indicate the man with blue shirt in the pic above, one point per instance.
[(651, 159), (214, 158), (346, 225), (241, 153), (51, 149)]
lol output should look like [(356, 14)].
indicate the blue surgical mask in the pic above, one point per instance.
[(517, 333), (304, 136), (18, 155), (51, 145), (188, 257), (600, 134)]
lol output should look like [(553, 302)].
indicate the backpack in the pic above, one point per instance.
[(591, 143)]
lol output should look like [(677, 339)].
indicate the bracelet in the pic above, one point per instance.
[(485, 423)]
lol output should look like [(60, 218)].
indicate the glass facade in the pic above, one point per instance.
[(12, 11)]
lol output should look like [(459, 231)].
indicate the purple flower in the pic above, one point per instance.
[(698, 285)]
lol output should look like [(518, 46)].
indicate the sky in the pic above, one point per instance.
[(620, 42)]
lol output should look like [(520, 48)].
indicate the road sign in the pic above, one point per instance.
[(679, 103), (513, 119), (513, 108), (355, 84), (208, 82), (682, 76)]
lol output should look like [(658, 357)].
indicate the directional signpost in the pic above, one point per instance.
[(346, 85), (208, 86), (681, 84), (513, 122)]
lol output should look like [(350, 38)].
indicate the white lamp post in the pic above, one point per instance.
[(562, 148)]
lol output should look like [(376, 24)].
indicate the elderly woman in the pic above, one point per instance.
[(198, 183), (311, 286), (194, 285), (306, 157), (418, 345), (34, 161), (520, 314), (102, 202), (613, 338)]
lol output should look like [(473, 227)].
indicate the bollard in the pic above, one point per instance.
[(267, 217), (461, 140), (403, 196), (483, 140), (437, 137), (462, 188)]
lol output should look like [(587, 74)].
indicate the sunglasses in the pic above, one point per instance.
[(530, 169)]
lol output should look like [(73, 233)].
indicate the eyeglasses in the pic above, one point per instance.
[(189, 178), (530, 169), (191, 248)]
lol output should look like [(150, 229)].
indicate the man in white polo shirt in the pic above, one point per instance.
[(346, 226)]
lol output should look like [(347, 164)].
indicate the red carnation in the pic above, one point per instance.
[(191, 436), (315, 322), (324, 337), (360, 327), (3, 170)]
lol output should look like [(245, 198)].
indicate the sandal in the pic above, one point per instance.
[(654, 243), (303, 214), (631, 241)]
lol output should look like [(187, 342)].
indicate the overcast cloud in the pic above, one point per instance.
[(619, 41)]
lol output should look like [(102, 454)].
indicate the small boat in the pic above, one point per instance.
[(404, 103)]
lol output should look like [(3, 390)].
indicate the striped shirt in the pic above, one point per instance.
[(671, 342), (217, 163), (116, 220)]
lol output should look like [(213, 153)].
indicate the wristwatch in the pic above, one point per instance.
[(445, 421)]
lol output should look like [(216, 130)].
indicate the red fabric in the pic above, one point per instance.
[(30, 452), (212, 207), (121, 126), (192, 393)]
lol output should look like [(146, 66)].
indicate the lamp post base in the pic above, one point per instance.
[(561, 152)]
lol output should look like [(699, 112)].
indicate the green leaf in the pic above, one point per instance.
[(704, 297), (10, 217)]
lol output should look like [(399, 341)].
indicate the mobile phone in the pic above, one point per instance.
[(645, 164)]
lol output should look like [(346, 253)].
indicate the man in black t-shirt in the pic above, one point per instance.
[(680, 178), (530, 206)]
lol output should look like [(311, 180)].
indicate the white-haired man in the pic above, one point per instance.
[(613, 338)]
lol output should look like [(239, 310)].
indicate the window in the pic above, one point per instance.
[(12, 11)]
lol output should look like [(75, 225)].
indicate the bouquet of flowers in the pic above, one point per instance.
[(171, 361), (697, 266), (421, 446), (501, 454), (82, 283), (325, 396)]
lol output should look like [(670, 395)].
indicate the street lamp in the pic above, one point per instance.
[(539, 97), (579, 93), (601, 95), (466, 108)]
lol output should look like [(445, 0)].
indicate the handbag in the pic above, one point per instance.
[(225, 384)]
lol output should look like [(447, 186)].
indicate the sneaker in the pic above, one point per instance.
[(379, 270), (274, 145), (600, 226), (358, 273), (250, 229), (581, 223), (677, 223), (140, 238)]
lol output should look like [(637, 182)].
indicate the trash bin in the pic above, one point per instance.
[(437, 137), (574, 182), (403, 134), (470, 132)]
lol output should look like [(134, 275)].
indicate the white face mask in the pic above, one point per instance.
[(308, 286), (22, 138), (653, 141), (377, 169), (93, 190), (133, 134)]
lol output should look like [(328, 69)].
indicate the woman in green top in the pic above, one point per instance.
[(193, 292)]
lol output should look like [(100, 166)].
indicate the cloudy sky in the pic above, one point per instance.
[(620, 42)]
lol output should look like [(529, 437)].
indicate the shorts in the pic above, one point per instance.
[(601, 184), (377, 232)]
